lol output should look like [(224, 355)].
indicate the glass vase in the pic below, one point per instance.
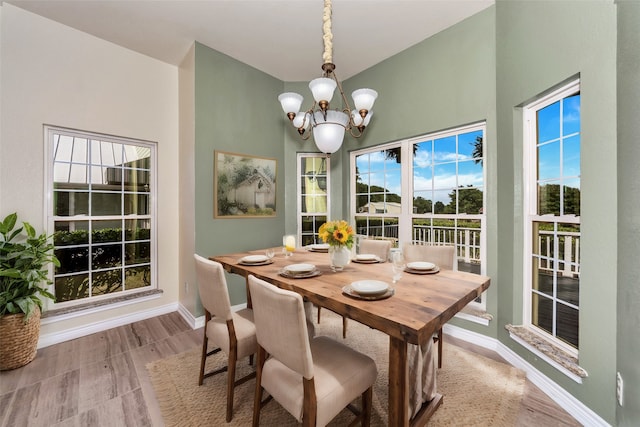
[(340, 257)]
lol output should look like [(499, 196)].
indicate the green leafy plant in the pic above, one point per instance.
[(24, 260)]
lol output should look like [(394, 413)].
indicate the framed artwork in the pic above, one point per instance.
[(244, 186)]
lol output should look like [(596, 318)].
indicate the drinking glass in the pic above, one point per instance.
[(289, 244), (269, 253), (397, 265)]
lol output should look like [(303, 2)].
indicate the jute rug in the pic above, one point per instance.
[(477, 391)]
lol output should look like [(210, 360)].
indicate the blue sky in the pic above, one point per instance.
[(434, 166), (559, 142)]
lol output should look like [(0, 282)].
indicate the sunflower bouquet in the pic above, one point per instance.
[(337, 233)]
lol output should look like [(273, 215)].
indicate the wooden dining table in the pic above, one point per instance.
[(420, 306)]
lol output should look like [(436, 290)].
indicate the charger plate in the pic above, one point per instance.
[(350, 292), (412, 271), (305, 275), (267, 262)]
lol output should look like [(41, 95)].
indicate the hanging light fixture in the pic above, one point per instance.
[(329, 126)]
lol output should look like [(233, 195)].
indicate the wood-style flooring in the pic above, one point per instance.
[(101, 380)]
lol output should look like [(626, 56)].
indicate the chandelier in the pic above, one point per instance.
[(329, 126)]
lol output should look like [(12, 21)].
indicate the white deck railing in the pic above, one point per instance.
[(467, 241)]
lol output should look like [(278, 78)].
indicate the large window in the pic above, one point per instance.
[(313, 196), (101, 212), (425, 190), (448, 193), (552, 208)]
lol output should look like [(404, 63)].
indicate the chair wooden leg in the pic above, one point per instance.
[(310, 403), (440, 343), (319, 308), (205, 343), (231, 379), (203, 360), (257, 399), (367, 403), (344, 327)]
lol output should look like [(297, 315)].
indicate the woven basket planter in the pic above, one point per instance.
[(18, 340)]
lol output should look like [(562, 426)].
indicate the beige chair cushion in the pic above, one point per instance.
[(341, 375), (379, 248), (245, 333)]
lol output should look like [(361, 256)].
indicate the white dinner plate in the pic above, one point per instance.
[(421, 265), (299, 268), (369, 287), (366, 257), (254, 259), (319, 247)]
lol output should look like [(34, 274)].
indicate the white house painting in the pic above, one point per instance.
[(245, 186)]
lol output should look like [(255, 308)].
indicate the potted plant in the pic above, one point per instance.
[(24, 261)]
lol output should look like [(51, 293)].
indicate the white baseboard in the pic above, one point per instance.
[(198, 322), (194, 322), (46, 340), (564, 399)]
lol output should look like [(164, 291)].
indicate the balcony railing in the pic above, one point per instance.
[(568, 255)]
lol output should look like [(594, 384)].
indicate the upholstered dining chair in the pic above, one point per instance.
[(445, 258), (313, 379), (379, 248), (233, 332)]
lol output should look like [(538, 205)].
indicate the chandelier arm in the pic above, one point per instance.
[(346, 108), (355, 135), (327, 35)]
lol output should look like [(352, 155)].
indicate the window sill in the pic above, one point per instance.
[(474, 314), (552, 354), (51, 316)]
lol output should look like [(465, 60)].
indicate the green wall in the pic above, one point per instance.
[(577, 38), (235, 112), (445, 81), (628, 338)]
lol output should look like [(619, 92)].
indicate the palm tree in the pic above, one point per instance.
[(394, 153), (477, 150)]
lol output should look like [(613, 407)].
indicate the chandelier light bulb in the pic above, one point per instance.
[(290, 102), (329, 134), (364, 98), (322, 89), (302, 120)]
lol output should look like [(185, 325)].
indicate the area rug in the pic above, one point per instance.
[(477, 391)]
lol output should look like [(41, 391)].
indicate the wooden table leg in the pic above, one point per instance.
[(398, 383)]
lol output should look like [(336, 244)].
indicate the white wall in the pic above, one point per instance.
[(52, 74), (188, 288)]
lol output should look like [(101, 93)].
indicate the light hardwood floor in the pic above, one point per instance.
[(101, 380)]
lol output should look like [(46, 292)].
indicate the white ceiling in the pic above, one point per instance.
[(280, 37)]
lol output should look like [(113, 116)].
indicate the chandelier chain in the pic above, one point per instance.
[(327, 36)]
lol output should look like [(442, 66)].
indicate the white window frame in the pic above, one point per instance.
[(530, 206), (403, 186), (49, 132), (299, 175), (405, 218)]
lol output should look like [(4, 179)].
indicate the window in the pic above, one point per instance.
[(313, 199), (101, 211), (552, 209), (377, 200), (437, 198), (448, 193)]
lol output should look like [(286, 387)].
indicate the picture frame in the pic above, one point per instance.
[(244, 186)]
